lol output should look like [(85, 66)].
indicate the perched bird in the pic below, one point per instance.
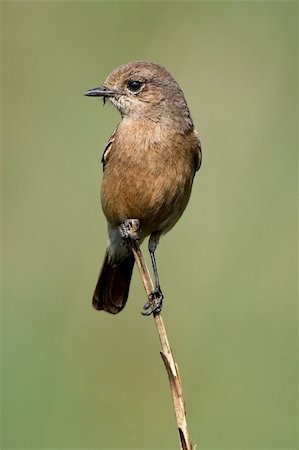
[(149, 164)]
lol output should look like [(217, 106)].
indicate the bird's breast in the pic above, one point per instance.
[(148, 175)]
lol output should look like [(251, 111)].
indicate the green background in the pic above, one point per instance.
[(79, 379)]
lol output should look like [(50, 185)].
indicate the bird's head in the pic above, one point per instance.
[(142, 89)]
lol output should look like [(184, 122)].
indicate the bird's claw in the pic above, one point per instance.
[(154, 304), (129, 230)]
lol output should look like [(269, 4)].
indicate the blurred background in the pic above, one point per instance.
[(74, 378)]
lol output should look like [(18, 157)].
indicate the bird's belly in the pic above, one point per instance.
[(156, 197)]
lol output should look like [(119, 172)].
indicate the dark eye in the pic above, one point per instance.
[(134, 85)]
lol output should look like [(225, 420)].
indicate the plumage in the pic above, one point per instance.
[(149, 164)]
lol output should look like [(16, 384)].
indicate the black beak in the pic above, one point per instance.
[(100, 92)]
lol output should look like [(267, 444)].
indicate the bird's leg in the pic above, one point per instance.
[(155, 303), (129, 229)]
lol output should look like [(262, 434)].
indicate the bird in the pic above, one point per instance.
[(149, 164)]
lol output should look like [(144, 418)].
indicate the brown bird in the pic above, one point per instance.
[(149, 164)]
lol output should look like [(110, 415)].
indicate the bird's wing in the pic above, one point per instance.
[(107, 149), (197, 151), (199, 156)]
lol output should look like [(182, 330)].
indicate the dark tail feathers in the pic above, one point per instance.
[(112, 289)]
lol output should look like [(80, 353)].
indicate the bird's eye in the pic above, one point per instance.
[(134, 85)]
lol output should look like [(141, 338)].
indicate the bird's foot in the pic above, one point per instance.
[(154, 303), (129, 229)]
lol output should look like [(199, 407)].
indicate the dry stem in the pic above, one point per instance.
[(166, 354)]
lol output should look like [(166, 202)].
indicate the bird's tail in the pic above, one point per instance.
[(113, 285)]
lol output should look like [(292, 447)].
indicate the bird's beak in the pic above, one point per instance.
[(100, 92)]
